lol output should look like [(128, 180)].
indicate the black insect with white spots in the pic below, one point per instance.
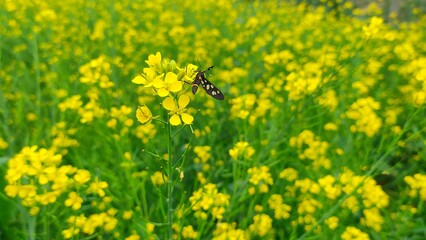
[(207, 85)]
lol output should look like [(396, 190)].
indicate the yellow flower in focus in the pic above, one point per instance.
[(148, 77), (154, 60), (143, 114), (178, 111), (170, 84)]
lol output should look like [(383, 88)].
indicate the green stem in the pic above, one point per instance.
[(169, 181)]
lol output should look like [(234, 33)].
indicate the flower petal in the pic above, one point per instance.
[(154, 60), (186, 118), (162, 92), (139, 80), (143, 114), (183, 101), (176, 86), (175, 120), (158, 83), (171, 77), (169, 104)]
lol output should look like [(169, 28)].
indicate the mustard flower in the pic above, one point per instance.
[(74, 201), (353, 233), (148, 77), (417, 184), (133, 237), (289, 174), (260, 177), (154, 60), (374, 27), (261, 226), (372, 219), (170, 84), (281, 210), (188, 232), (203, 154), (70, 232), (143, 114), (178, 111), (208, 200), (332, 222), (366, 120), (326, 183), (127, 215), (241, 149), (226, 231), (158, 179), (98, 187), (82, 176)]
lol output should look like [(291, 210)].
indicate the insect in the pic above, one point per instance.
[(206, 84)]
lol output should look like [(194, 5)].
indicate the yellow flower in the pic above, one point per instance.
[(143, 114), (373, 28), (98, 187), (82, 176), (127, 214), (178, 111), (148, 77), (354, 233), (261, 226), (154, 60), (158, 179), (241, 149), (170, 84), (74, 201), (332, 222), (188, 232)]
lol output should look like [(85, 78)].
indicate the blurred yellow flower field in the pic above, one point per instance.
[(320, 132)]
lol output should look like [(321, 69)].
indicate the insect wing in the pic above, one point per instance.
[(211, 89)]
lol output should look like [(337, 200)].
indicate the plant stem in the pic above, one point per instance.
[(169, 181)]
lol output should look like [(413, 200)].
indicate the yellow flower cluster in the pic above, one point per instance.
[(166, 80), (36, 176), (96, 72), (251, 107), (262, 225), (63, 138), (281, 210), (364, 195), (304, 81), (241, 150), (227, 231), (366, 120), (260, 178), (353, 233), (207, 200), (417, 184), (311, 148)]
